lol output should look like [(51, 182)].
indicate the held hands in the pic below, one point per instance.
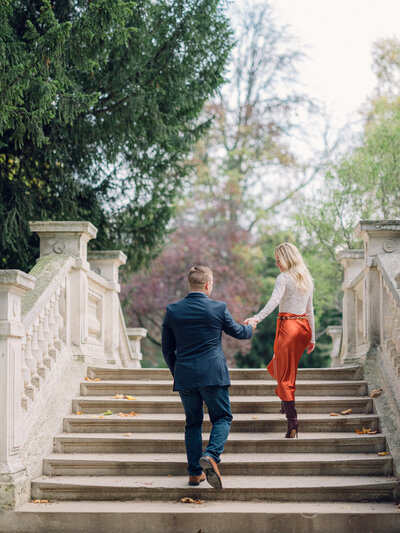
[(311, 347), (252, 322)]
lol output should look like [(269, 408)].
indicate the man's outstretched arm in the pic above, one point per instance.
[(232, 328), (168, 344)]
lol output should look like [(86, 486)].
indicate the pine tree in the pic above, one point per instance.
[(100, 106)]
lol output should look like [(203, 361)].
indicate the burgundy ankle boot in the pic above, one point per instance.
[(291, 415)]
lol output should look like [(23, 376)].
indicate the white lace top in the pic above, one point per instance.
[(290, 300)]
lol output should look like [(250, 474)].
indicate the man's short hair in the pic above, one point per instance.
[(198, 276)]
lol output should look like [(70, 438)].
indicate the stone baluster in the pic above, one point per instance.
[(37, 378), (25, 399), (14, 485), (135, 336), (30, 362), (106, 263)]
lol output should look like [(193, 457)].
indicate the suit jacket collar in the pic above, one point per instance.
[(196, 295)]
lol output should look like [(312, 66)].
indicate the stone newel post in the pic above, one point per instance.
[(106, 263), (353, 264), (71, 238), (135, 336), (380, 237), (335, 332), (13, 285)]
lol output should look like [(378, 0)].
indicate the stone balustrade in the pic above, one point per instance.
[(62, 316), (371, 317)]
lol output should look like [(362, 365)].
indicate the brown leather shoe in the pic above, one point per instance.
[(196, 480), (210, 468)]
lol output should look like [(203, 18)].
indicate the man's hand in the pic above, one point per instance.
[(252, 322), (311, 347)]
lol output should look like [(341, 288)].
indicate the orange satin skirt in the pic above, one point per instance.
[(291, 339)]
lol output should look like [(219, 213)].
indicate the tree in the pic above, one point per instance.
[(100, 106), (146, 294)]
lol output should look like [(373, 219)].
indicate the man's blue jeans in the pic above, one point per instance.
[(217, 400)]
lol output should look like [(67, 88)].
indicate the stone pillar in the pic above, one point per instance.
[(13, 480), (380, 237), (135, 335), (71, 238), (353, 262), (106, 263), (335, 332)]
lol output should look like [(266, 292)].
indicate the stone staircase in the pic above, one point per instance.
[(128, 473)]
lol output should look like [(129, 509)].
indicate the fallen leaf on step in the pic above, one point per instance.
[(89, 379), (107, 413), (334, 414), (346, 412), (383, 453), (127, 434), (79, 412), (100, 417), (191, 500), (254, 417), (127, 397), (366, 431), (132, 413), (345, 506), (41, 501), (376, 393), (118, 397)]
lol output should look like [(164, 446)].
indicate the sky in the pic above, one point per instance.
[(338, 36)]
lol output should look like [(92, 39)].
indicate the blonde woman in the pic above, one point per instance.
[(295, 326)]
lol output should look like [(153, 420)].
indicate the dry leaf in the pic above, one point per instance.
[(383, 453), (376, 393), (346, 412), (41, 501), (127, 397), (345, 506), (132, 413), (127, 434), (89, 379), (366, 431), (100, 417), (107, 413), (118, 396), (333, 414), (79, 412), (191, 500), (254, 417)]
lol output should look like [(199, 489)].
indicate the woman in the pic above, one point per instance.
[(295, 326)]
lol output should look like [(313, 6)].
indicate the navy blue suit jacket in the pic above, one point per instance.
[(191, 341)]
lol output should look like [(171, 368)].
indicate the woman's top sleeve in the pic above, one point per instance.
[(310, 316), (273, 302)]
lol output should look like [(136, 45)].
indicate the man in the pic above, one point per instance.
[(191, 345)]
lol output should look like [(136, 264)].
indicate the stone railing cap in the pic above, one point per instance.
[(107, 255), (376, 225), (136, 332), (17, 278), (350, 254), (333, 329), (64, 226)]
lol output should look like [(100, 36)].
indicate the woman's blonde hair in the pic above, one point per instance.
[(293, 263)]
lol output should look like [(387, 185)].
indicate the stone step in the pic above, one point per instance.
[(239, 404), (237, 443), (210, 516), (236, 488), (242, 422), (238, 388), (341, 373), (273, 464)]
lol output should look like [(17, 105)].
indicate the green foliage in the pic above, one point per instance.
[(100, 106)]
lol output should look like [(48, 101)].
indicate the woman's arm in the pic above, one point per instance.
[(273, 302), (310, 317)]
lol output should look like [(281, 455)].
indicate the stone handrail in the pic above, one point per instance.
[(54, 322)]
